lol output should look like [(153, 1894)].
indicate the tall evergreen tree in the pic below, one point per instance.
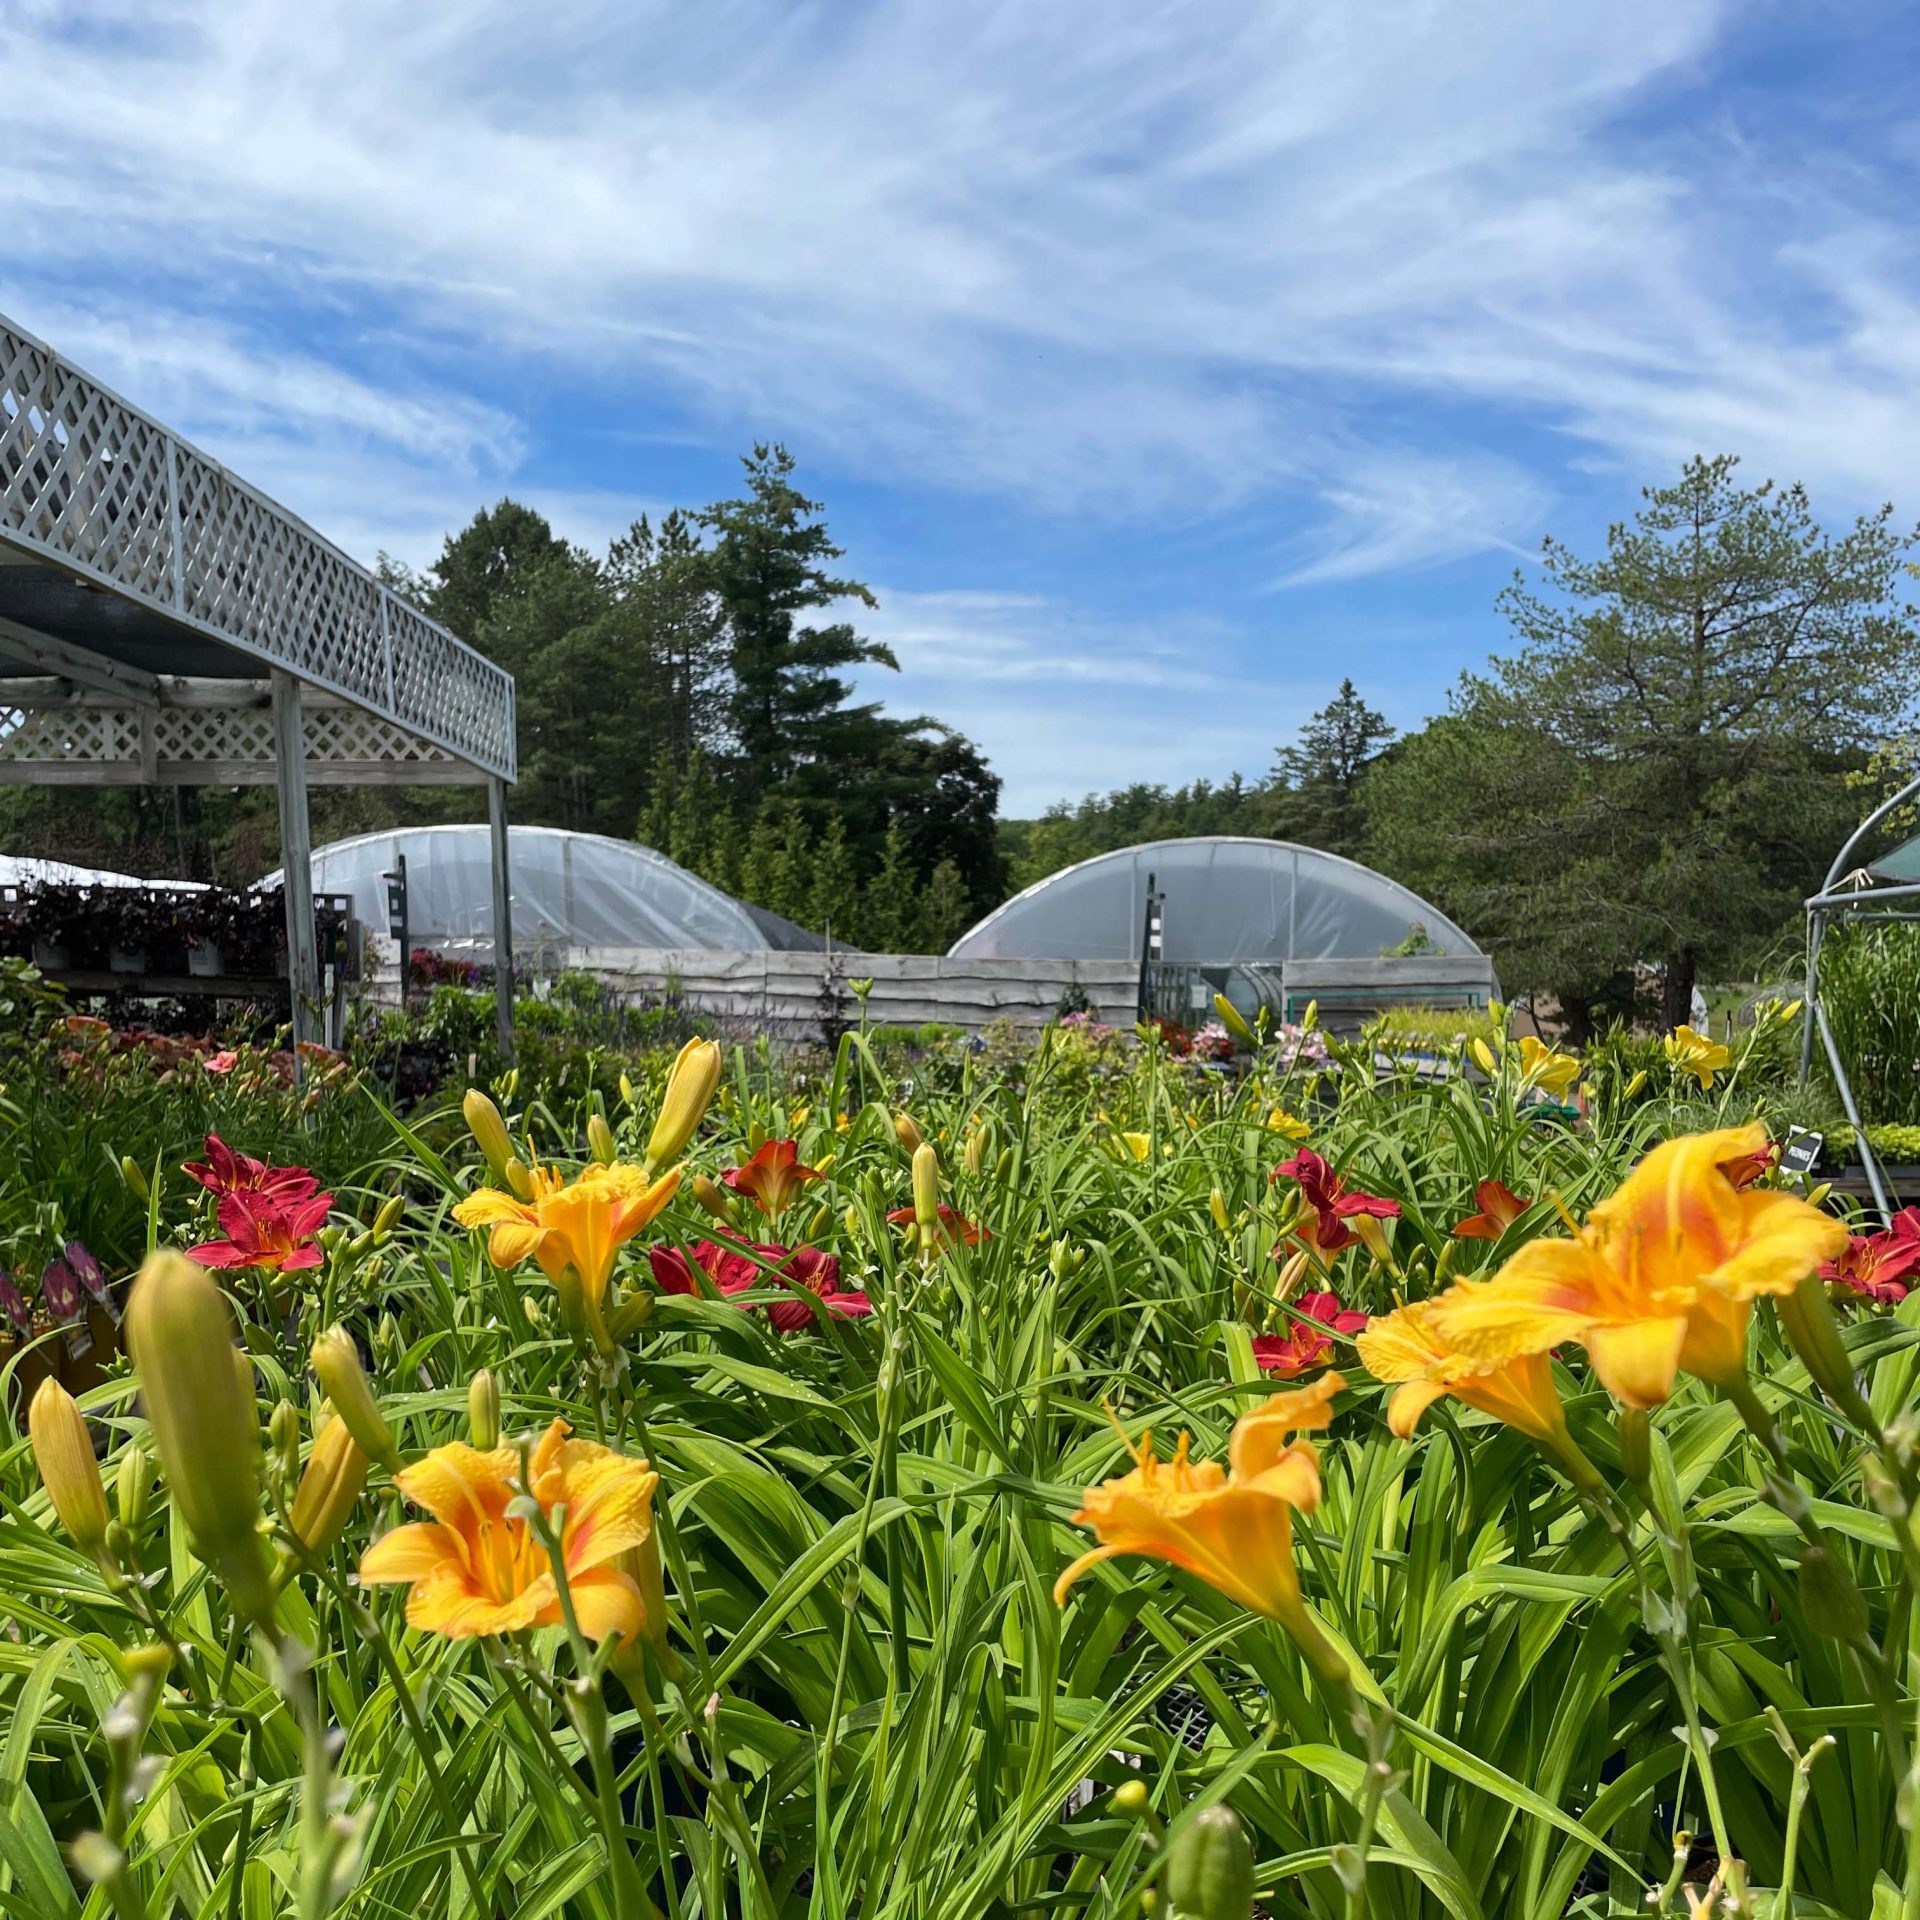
[(1315, 786), (790, 706), (833, 887)]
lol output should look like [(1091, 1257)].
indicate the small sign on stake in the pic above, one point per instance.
[(1801, 1154)]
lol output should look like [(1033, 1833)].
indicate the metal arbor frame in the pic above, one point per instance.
[(1850, 894), (164, 623)]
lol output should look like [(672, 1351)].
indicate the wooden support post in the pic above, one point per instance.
[(296, 847), (502, 914)]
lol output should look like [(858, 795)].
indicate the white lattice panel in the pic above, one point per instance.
[(90, 481), (225, 743)]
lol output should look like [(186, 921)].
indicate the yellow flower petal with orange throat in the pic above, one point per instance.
[(1233, 1529), (479, 1569), (1411, 1347)]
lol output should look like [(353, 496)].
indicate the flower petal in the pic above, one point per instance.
[(412, 1553), (1638, 1359)]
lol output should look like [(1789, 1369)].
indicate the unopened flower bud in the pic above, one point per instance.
[(629, 1316), (691, 1084), (1484, 1054), (1807, 1315), (1057, 1260), (1636, 1445), (1003, 1167), (851, 1219), (1217, 1206), (926, 1192), (489, 1131), (1210, 1868), (283, 1434), (133, 1487), (519, 1180), (199, 1401), (336, 1471), (600, 1140), (817, 1225), (63, 1451), (906, 1132), (1131, 1798), (483, 1411), (135, 1175), (1311, 1018), (1634, 1085), (976, 1151), (1820, 1195), (388, 1217), (1829, 1597), (626, 1090), (336, 1364), (756, 1135), (1233, 1020), (713, 1198)]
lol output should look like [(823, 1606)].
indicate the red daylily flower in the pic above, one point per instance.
[(1330, 1205), (1307, 1342), (731, 1270), (1876, 1265), (954, 1225), (772, 1177), (224, 1171), (1499, 1207), (264, 1234), (1745, 1169)]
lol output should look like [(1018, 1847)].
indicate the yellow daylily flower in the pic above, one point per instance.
[(1546, 1066), (1661, 1279), (476, 1569), (1409, 1349), (1231, 1525), (1695, 1053), (569, 1227), (1288, 1126)]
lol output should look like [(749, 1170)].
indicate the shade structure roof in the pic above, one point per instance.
[(1228, 900), (1902, 864), (569, 890)]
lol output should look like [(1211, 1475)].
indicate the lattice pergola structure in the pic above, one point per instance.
[(163, 623)]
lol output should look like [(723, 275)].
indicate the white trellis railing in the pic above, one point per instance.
[(100, 489)]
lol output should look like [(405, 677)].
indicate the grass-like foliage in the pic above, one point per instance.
[(808, 1660)]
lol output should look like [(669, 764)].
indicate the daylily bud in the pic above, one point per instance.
[(906, 1132), (690, 1089), (756, 1135), (600, 1140), (626, 1090), (926, 1192), (630, 1316), (63, 1451), (1828, 1596), (519, 1180), (483, 1411), (336, 1471), (1132, 1799), (713, 1198), (1634, 1085), (851, 1218), (489, 1130), (1807, 1315), (133, 1487), (1210, 1868), (1233, 1020), (199, 1400), (1483, 1053), (815, 1227), (1003, 1166), (1374, 1236), (1636, 1445), (975, 1152), (135, 1175), (283, 1436), (336, 1364), (1057, 1260), (388, 1217), (1820, 1195), (1292, 1273), (1311, 1018), (1217, 1206)]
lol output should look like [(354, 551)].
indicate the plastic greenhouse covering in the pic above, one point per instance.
[(1227, 900), (568, 890)]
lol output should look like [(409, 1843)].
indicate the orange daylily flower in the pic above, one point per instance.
[(475, 1569), (1499, 1208), (1231, 1525), (1661, 1279), (1410, 1350), (773, 1177), (567, 1226)]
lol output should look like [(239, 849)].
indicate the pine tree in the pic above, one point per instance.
[(946, 910), (890, 902), (833, 895)]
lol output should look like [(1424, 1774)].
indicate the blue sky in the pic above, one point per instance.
[(1159, 364)]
